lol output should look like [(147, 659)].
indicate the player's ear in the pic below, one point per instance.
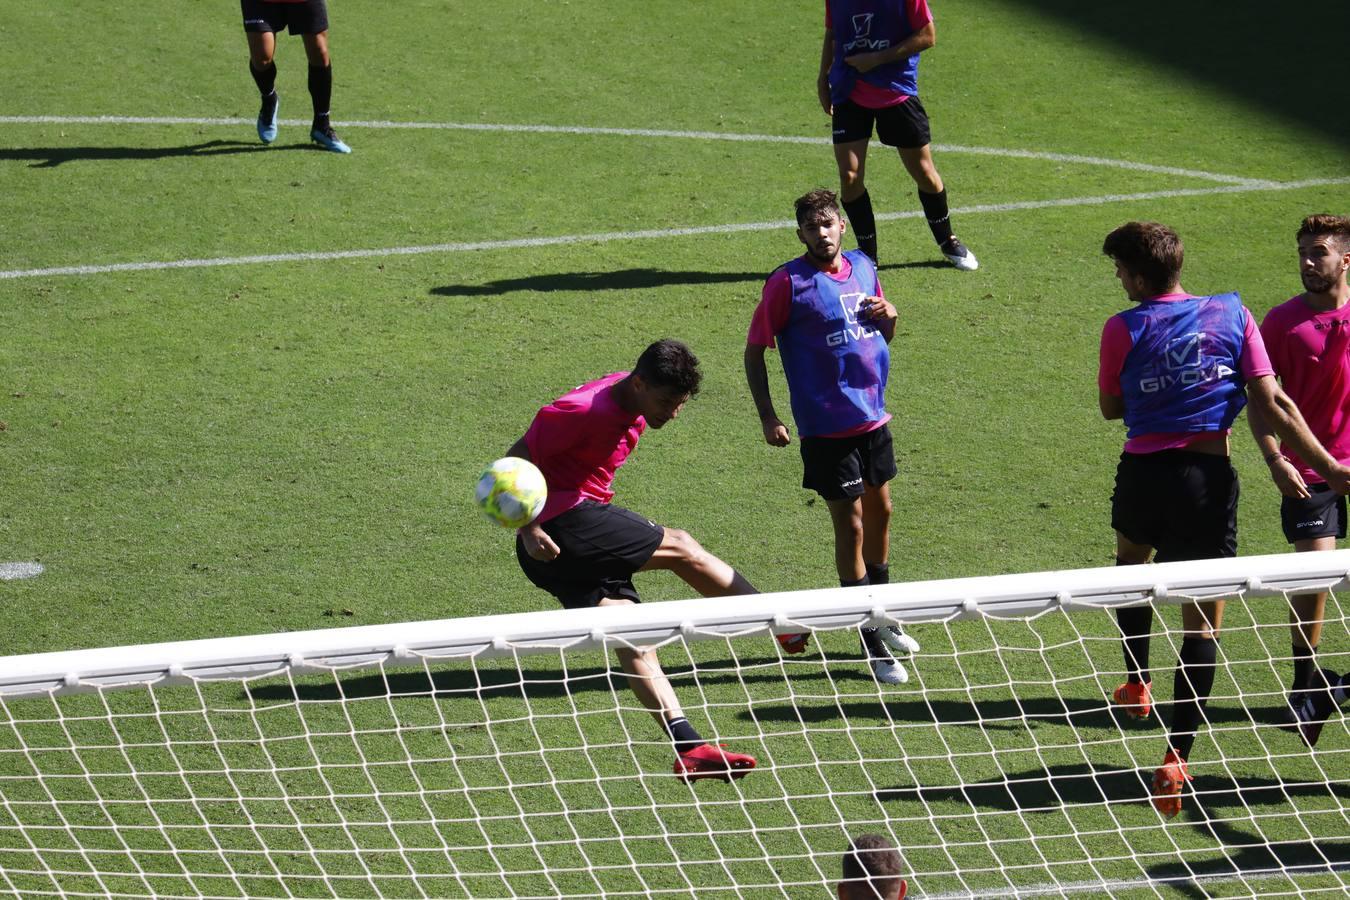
[(843, 225)]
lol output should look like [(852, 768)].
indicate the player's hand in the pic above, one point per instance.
[(877, 310), (823, 94), (1287, 478), (538, 545), (865, 62), (1340, 480), (775, 432)]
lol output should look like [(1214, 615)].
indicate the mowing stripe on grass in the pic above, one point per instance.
[(606, 237), (635, 132)]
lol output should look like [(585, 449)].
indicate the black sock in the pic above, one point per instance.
[(1304, 667), (863, 224), (870, 638), (321, 93), (939, 219), (1190, 689), (1135, 624), (878, 573), (265, 78), (683, 734)]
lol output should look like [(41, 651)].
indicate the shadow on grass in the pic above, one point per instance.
[(50, 157), (536, 683), (1216, 796), (627, 280), (1226, 46), (582, 282)]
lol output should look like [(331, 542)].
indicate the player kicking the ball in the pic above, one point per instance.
[(583, 549)]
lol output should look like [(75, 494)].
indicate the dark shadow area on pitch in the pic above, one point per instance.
[(917, 264), (1006, 715), (535, 683), (1080, 784), (1211, 44), (51, 157), (584, 282)]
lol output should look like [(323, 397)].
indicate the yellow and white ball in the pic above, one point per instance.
[(511, 491)]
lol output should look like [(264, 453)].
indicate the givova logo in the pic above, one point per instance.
[(862, 35), (1184, 361), (853, 328)]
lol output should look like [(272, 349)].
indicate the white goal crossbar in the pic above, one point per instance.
[(653, 624)]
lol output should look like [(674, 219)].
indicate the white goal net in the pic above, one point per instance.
[(505, 756)]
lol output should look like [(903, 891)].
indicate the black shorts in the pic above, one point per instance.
[(837, 468), (310, 17), (1182, 503), (601, 546), (1321, 515), (903, 125)]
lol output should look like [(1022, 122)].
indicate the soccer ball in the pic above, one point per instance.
[(511, 491)]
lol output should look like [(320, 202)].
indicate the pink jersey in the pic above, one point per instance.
[(1310, 351), (869, 96), (1116, 344), (579, 441)]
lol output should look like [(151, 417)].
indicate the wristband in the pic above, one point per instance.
[(1271, 457)]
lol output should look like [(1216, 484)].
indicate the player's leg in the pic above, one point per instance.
[(1311, 524), (1140, 478), (905, 127), (695, 757), (314, 32), (705, 573), (852, 127), (1200, 515), (262, 46), (1135, 696), (878, 470)]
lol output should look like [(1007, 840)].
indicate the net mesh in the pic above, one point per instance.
[(1000, 769)]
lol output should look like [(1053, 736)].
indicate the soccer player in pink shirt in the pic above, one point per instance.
[(1308, 339), (583, 549), (1178, 368)]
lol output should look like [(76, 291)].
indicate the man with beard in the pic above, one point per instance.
[(826, 312), (1308, 339)]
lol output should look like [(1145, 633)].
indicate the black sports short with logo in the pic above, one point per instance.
[(306, 17), (1321, 515), (839, 468), (601, 546), (1180, 502)]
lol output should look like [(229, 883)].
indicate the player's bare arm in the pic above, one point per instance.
[(919, 41), (880, 312), (537, 542), (1269, 400), (1284, 473), (1112, 406), (757, 376), (823, 79)]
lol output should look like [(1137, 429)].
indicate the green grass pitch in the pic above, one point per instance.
[(197, 450)]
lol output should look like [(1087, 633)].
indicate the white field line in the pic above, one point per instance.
[(1096, 888), (634, 132), (607, 237)]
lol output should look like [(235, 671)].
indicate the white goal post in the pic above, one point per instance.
[(503, 756)]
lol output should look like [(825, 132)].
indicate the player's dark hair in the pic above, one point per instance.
[(1326, 225), (671, 365), (874, 860), (814, 204), (1147, 249)]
